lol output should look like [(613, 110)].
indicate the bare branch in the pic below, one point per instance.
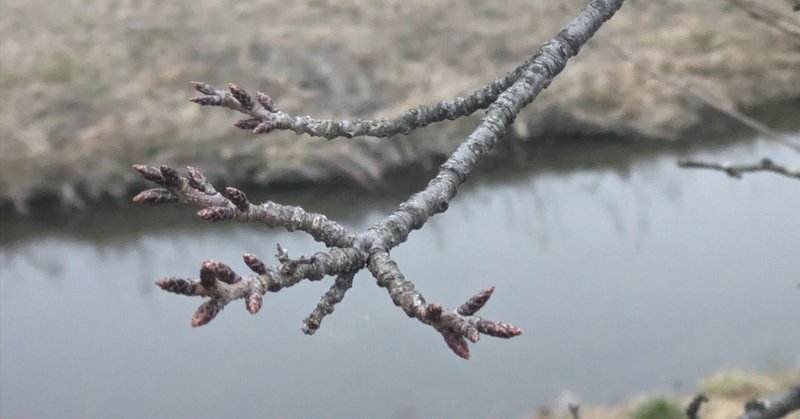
[(268, 118), (351, 251), (456, 325), (547, 63), (332, 297), (732, 170), (222, 285), (233, 205), (775, 407)]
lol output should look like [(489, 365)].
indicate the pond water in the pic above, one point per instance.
[(627, 274)]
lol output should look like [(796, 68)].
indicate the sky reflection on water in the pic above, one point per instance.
[(627, 276)]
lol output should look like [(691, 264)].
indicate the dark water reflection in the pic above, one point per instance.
[(627, 274)]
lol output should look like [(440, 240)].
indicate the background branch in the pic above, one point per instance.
[(734, 170)]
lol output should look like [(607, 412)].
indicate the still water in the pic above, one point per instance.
[(628, 275)]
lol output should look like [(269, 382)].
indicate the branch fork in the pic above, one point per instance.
[(350, 251)]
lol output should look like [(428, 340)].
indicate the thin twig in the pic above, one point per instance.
[(732, 170), (268, 117)]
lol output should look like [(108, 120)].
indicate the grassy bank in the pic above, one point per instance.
[(727, 392), (91, 88)]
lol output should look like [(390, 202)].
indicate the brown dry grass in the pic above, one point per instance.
[(92, 87)]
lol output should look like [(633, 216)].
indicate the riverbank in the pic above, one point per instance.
[(727, 391), (95, 88)]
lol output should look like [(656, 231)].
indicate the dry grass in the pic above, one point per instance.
[(727, 390), (91, 87)]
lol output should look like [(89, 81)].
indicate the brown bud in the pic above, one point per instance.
[(266, 102), (497, 329), (171, 177), (476, 302), (254, 263), (224, 273), (176, 285), (197, 180), (241, 95), (456, 343), (253, 302), (208, 274), (206, 100), (248, 123), (206, 312), (150, 173), (237, 197), (204, 88)]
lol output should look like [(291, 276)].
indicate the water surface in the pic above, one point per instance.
[(627, 274)]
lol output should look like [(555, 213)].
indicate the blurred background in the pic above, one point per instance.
[(629, 275)]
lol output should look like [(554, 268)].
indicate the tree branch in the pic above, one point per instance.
[(268, 118), (234, 205), (351, 251), (334, 296), (765, 165)]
